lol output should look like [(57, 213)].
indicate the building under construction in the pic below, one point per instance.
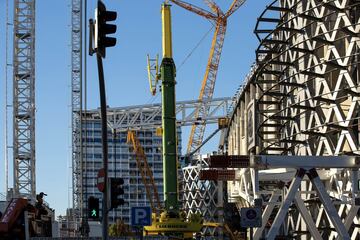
[(143, 120), (289, 145), (122, 159), (300, 99)]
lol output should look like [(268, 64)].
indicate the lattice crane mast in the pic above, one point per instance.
[(207, 88), (145, 171), (24, 99)]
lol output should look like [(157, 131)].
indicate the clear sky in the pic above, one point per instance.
[(139, 33)]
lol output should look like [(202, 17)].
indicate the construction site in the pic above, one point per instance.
[(273, 154)]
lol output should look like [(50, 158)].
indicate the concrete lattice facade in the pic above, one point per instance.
[(301, 98)]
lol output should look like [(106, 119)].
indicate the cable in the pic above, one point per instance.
[(196, 46)]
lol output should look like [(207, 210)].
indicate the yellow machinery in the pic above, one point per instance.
[(208, 83), (145, 172), (161, 223)]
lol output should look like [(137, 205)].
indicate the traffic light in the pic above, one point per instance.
[(93, 208), (102, 28), (116, 191)]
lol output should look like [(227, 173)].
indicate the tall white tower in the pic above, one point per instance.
[(24, 98)]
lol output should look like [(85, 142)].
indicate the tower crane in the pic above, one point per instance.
[(219, 18), (145, 171)]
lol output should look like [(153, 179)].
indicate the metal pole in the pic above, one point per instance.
[(251, 234), (104, 141), (141, 233), (84, 90), (26, 223), (114, 167)]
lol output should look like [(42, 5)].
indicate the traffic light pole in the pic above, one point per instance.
[(104, 141), (98, 32)]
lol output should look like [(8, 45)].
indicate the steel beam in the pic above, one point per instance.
[(280, 216), (146, 116), (266, 215), (273, 161), (328, 205), (349, 220), (307, 217)]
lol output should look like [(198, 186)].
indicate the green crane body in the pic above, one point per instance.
[(171, 221), (169, 138)]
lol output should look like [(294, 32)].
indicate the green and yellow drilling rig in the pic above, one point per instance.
[(171, 222)]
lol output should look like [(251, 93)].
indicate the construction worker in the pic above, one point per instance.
[(40, 209), (40, 196)]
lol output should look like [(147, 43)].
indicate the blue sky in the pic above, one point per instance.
[(139, 33)]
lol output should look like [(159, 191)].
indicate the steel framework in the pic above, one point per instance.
[(208, 84), (138, 117), (304, 91), (24, 98), (148, 117), (76, 77), (144, 117), (308, 84)]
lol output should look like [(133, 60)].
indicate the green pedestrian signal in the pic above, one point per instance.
[(93, 208), (93, 213)]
